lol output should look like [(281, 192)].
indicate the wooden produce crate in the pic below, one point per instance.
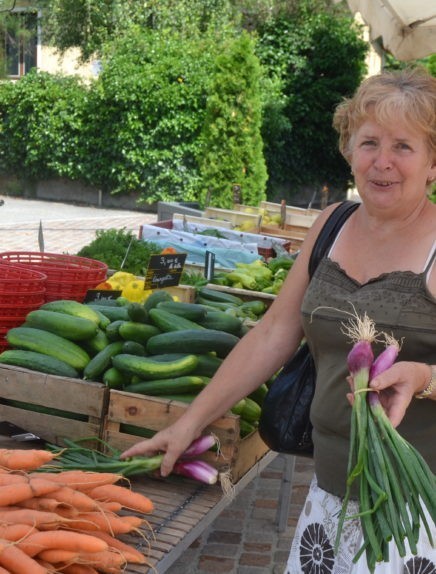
[(150, 414), (78, 407), (290, 209), (185, 293)]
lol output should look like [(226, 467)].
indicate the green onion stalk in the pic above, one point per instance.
[(78, 457), (389, 508)]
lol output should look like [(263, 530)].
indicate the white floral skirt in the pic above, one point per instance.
[(313, 543)]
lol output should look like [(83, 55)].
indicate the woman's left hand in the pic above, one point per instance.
[(397, 387)]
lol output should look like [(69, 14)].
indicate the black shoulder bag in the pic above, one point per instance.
[(284, 424)]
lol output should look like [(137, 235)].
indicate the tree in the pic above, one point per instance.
[(231, 148), (318, 58)]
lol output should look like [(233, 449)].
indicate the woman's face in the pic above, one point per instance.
[(390, 164)]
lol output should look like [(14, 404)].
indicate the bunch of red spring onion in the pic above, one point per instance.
[(76, 456), (395, 483)]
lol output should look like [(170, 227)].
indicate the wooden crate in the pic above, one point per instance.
[(249, 221), (155, 413), (79, 407)]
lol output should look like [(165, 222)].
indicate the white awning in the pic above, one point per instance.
[(405, 28)]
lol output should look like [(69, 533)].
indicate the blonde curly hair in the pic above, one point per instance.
[(407, 95)]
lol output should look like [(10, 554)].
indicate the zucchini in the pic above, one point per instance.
[(148, 368), (139, 332), (221, 322), (103, 321), (114, 313), (115, 379), (170, 386), (72, 308), (133, 348), (238, 407), (168, 322), (208, 365), (137, 312), (191, 311), (256, 307), (102, 361), (38, 362), (245, 428), (66, 326), (50, 344), (259, 394), (221, 296), (197, 341), (156, 297), (137, 431)]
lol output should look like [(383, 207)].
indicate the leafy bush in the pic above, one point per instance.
[(118, 247)]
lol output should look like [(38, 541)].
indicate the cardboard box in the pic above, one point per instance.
[(78, 407), (150, 414)]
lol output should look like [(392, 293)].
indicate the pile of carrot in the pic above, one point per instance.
[(67, 522)]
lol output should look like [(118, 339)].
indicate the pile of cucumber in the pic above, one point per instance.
[(162, 347)]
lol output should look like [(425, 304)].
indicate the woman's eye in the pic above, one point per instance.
[(368, 143), (403, 146)]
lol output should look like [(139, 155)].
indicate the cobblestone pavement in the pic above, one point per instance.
[(245, 538)]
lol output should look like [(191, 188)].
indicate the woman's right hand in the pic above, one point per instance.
[(172, 441)]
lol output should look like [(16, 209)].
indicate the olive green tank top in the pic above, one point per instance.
[(400, 304)]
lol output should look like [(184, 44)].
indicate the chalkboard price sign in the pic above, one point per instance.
[(164, 270), (101, 295)]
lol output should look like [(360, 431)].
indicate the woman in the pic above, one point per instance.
[(382, 264)]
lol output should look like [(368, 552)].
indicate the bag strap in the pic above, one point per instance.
[(329, 231)]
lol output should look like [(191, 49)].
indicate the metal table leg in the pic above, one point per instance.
[(285, 492)]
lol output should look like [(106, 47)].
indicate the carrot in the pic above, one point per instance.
[(110, 506), (38, 518), (75, 498), (77, 569), (130, 553), (9, 477), (106, 561), (13, 493), (14, 532), (82, 479), (54, 555), (3, 570), (18, 459), (49, 505), (91, 521), (128, 498), (15, 561), (61, 539)]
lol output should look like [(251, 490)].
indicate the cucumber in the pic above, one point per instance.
[(147, 368), (66, 326), (115, 379), (113, 330), (38, 362), (208, 364), (41, 341), (221, 322), (103, 321), (137, 313), (221, 296), (238, 407), (102, 361), (72, 308), (258, 395), (137, 431), (161, 387), (168, 322), (256, 307), (191, 311), (114, 313), (197, 341), (96, 343), (245, 428), (250, 411), (156, 297), (133, 348), (139, 332), (216, 305)]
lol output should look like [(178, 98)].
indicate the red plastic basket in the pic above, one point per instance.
[(7, 323), (16, 310), (35, 298), (68, 276), (19, 279)]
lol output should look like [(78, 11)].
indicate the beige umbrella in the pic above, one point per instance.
[(405, 28)]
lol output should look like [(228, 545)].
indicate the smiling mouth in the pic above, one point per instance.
[(383, 183)]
